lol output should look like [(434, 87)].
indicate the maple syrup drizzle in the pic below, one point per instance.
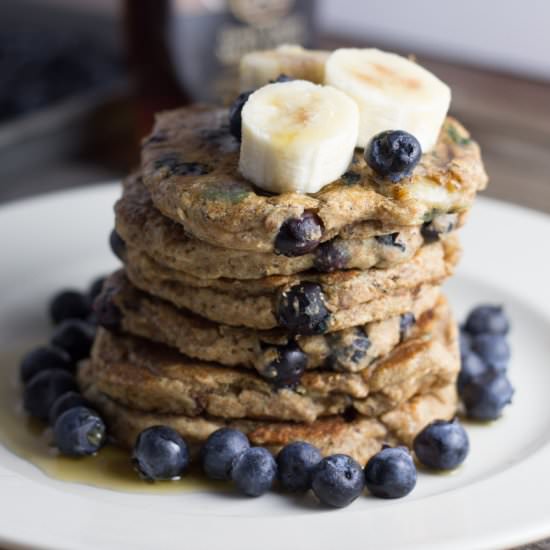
[(111, 468)]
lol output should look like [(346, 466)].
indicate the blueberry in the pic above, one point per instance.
[(487, 319), (159, 137), (442, 445), (485, 396), (235, 120), (498, 366), (331, 256), (406, 322), (191, 169), (287, 368), (69, 304), (350, 177), (492, 348), (220, 450), (95, 288), (471, 367), (75, 337), (295, 464), (393, 154), (65, 402), (302, 310), (391, 239), (79, 431), (391, 473), (254, 471), (439, 225), (43, 358), (465, 341), (118, 246), (175, 165), (337, 480), (348, 349), (298, 236), (107, 313), (281, 78), (44, 388), (160, 453)]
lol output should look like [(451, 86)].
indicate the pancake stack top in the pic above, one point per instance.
[(291, 316)]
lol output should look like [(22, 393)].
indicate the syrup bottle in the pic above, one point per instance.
[(183, 51)]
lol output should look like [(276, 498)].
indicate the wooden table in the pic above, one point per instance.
[(510, 118)]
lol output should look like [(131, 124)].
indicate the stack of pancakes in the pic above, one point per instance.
[(345, 340)]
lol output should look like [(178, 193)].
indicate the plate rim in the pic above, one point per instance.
[(533, 531)]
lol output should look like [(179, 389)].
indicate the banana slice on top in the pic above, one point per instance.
[(260, 67), (297, 136), (392, 93)]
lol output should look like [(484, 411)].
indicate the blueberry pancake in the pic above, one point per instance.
[(341, 288), (305, 303), (153, 378), (190, 167), (274, 354), (359, 246), (355, 435)]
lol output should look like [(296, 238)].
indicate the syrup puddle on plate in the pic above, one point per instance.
[(110, 469)]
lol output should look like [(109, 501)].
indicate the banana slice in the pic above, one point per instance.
[(297, 136), (392, 93), (258, 68)]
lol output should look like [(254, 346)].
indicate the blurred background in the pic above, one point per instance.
[(81, 79)]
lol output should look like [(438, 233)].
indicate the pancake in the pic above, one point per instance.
[(154, 378), (190, 167), (360, 437), (359, 246), (341, 288), (344, 296), (353, 349)]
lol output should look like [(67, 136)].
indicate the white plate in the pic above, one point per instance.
[(499, 498)]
